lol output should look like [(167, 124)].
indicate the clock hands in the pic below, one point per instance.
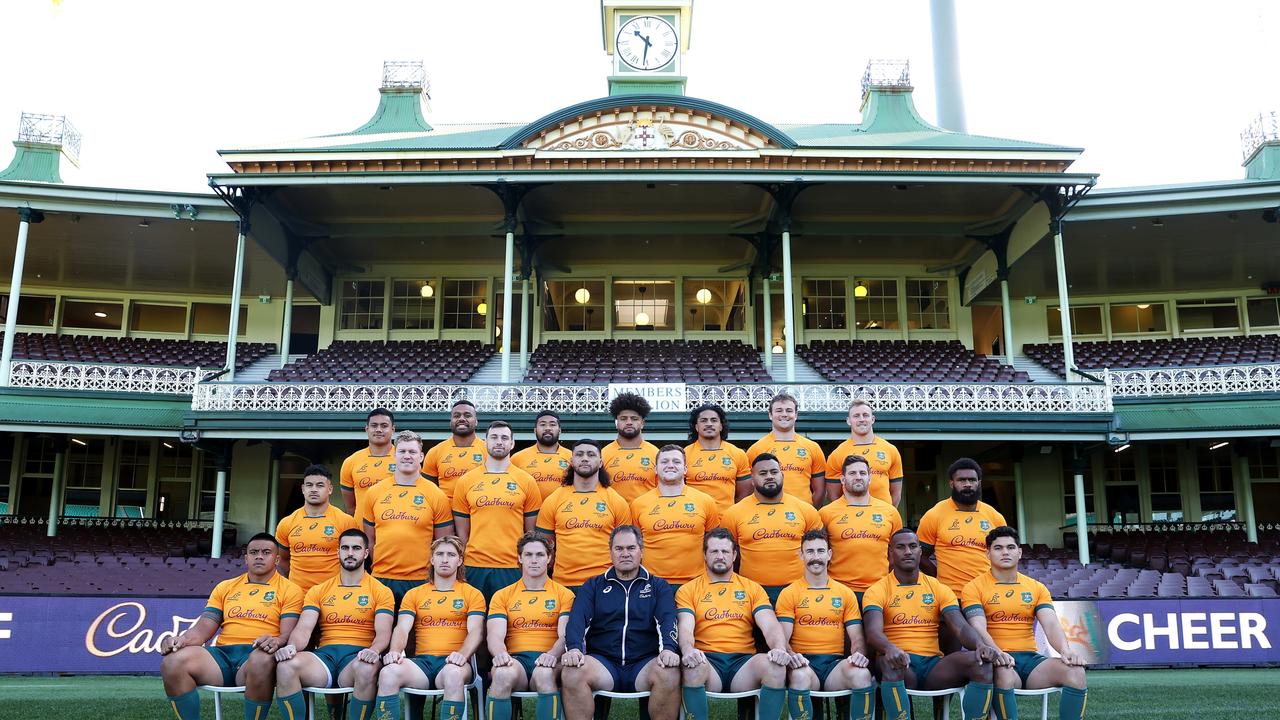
[(645, 57)]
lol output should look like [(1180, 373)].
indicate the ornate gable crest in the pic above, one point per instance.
[(648, 128)]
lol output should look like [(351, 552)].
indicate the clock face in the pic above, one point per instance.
[(646, 42)]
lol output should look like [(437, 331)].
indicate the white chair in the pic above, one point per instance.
[(943, 693), (476, 685), (311, 706), (218, 691), (1043, 694)]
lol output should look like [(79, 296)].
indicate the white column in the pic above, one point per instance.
[(506, 307), (1020, 496), (1064, 307), (1246, 498), (1006, 313), (288, 325), (55, 495), (788, 307), (15, 289), (233, 328), (524, 326), (1082, 520), (273, 495), (768, 326), (218, 507)]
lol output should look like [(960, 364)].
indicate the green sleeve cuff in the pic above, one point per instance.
[(847, 623), (311, 607), (410, 613), (288, 615), (461, 514), (1044, 606), (532, 513), (684, 610), (953, 607), (497, 616), (868, 608), (476, 612), (761, 607), (443, 524), (383, 611), (970, 610), (543, 530), (783, 618)]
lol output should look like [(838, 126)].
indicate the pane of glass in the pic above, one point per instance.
[(215, 319), (1085, 320), (573, 306), (823, 304), (362, 305), (713, 305), (644, 304), (465, 304), (927, 305), (84, 462), (875, 304), (413, 304), (1138, 318), (145, 317), (1264, 312), (34, 310), (92, 315), (1208, 317)]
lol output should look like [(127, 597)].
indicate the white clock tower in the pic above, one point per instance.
[(646, 41)]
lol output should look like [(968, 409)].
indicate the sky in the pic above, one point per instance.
[(1154, 91)]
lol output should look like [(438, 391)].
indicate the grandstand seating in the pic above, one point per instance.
[(1178, 352), (905, 361), (206, 354), (595, 361), (415, 361)]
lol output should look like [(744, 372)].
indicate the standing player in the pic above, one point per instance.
[(253, 615), (886, 461), (581, 515), (353, 612), (365, 468), (457, 454), (546, 460), (768, 525), (447, 621), (525, 632), (859, 527), (630, 460), (955, 530), (716, 466), (493, 505), (901, 615), (402, 516), (673, 518), (717, 612), (1003, 606), (817, 615), (309, 536), (804, 467)]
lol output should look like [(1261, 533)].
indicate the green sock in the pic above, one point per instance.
[(451, 710), (977, 701), (387, 707), (1071, 706), (799, 705), (549, 706), (1006, 705), (187, 705), (254, 710), (358, 709), (695, 702), (293, 707), (771, 701), (499, 708), (896, 703), (862, 703)]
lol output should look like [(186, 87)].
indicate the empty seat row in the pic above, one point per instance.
[(413, 361), (1177, 352), (134, 351), (597, 361), (915, 361)]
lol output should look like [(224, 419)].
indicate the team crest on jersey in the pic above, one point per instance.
[(329, 530), (644, 462), (564, 464), (984, 525), (550, 604), (269, 596), (927, 598), (476, 457), (1026, 597), (511, 487), (234, 596), (706, 598), (457, 604), (880, 455), (601, 507), (800, 452), (363, 468), (727, 461), (790, 516), (877, 517), (688, 507), (739, 594), (837, 602), (417, 499), (955, 525), (391, 467), (896, 602), (363, 601)]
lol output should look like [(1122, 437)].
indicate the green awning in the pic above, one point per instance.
[(1261, 413), (53, 410)]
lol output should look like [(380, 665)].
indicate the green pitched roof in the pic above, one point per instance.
[(1259, 413), (34, 162), (57, 409), (399, 110)]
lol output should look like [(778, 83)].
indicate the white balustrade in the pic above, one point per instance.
[(102, 377), (1193, 381)]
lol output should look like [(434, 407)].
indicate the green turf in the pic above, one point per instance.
[(1126, 694)]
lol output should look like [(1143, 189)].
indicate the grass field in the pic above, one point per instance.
[(1127, 694)]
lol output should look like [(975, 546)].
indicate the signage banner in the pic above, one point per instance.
[(662, 397)]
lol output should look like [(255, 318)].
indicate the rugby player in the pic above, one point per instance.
[(953, 533), (457, 454), (886, 461), (581, 515), (717, 612), (859, 527), (546, 460), (629, 459), (621, 635), (901, 615), (369, 466), (716, 466), (446, 618), (804, 467), (1003, 606), (493, 505), (253, 615), (817, 616), (308, 537), (353, 612), (767, 525), (525, 632), (673, 518)]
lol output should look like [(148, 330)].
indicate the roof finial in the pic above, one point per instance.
[(51, 130), (1262, 130), (886, 74)]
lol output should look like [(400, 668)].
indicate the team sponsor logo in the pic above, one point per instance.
[(881, 456), (800, 452), (417, 499), (722, 591), (329, 530), (739, 594), (877, 518), (313, 526), (911, 594), (550, 604), (363, 601), (860, 513), (984, 525), (403, 493), (837, 602), (968, 521), (1026, 597), (511, 487), (601, 507), (644, 462), (727, 461), (607, 589), (927, 598), (688, 507), (791, 516), (252, 593), (819, 598), (347, 596), (1009, 594), (125, 623), (391, 467), (564, 464), (476, 457), (770, 513)]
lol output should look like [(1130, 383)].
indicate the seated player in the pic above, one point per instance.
[(717, 612), (255, 612), (817, 614), (1003, 606), (353, 612), (901, 615), (525, 632), (446, 617)]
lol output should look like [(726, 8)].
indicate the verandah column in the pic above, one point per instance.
[(26, 216), (233, 327)]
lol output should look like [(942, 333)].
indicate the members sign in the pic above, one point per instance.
[(662, 397)]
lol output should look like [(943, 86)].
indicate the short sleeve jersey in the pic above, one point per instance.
[(312, 543), (716, 472), (885, 460), (496, 504), (440, 616), (769, 536), (533, 616), (347, 612), (912, 613), (547, 469), (723, 612), (818, 616), (631, 471), (362, 470), (859, 540), (582, 522), (673, 528), (248, 610), (446, 462), (959, 540), (1010, 609), (405, 518), (801, 459)]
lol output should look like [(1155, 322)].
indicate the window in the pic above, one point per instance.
[(362, 305), (1217, 491), (928, 305), (573, 306), (209, 486), (714, 305), (6, 470), (84, 476), (1122, 487), (147, 317), (644, 304), (1166, 489), (413, 304), (1085, 320), (131, 478), (824, 304), (175, 460), (40, 457), (875, 304), (1069, 489), (36, 310), (92, 315), (1208, 314), (465, 304), (1138, 318), (215, 319), (1262, 462), (1263, 312)]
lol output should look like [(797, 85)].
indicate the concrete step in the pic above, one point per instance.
[(805, 374), (1034, 370), (258, 371)]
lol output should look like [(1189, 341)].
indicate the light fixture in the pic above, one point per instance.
[(861, 290), (167, 445), (144, 223), (482, 309), (1143, 306), (1157, 223), (642, 318), (777, 348), (79, 442), (703, 296), (1122, 448), (99, 314), (582, 296), (499, 331), (1220, 445), (427, 291)]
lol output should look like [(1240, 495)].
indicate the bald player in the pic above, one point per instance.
[(804, 467), (546, 460), (717, 467), (955, 530), (457, 454), (859, 527), (308, 537), (673, 518), (581, 516), (629, 460), (371, 465), (886, 461)]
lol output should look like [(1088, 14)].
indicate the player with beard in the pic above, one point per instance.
[(859, 527), (546, 460), (630, 460), (886, 461), (371, 465), (673, 517), (581, 515), (458, 454), (768, 525), (804, 466), (493, 505), (955, 530), (309, 536), (717, 467)]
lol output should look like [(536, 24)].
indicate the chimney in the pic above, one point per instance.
[(42, 139), (1260, 142), (404, 92), (886, 99)]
